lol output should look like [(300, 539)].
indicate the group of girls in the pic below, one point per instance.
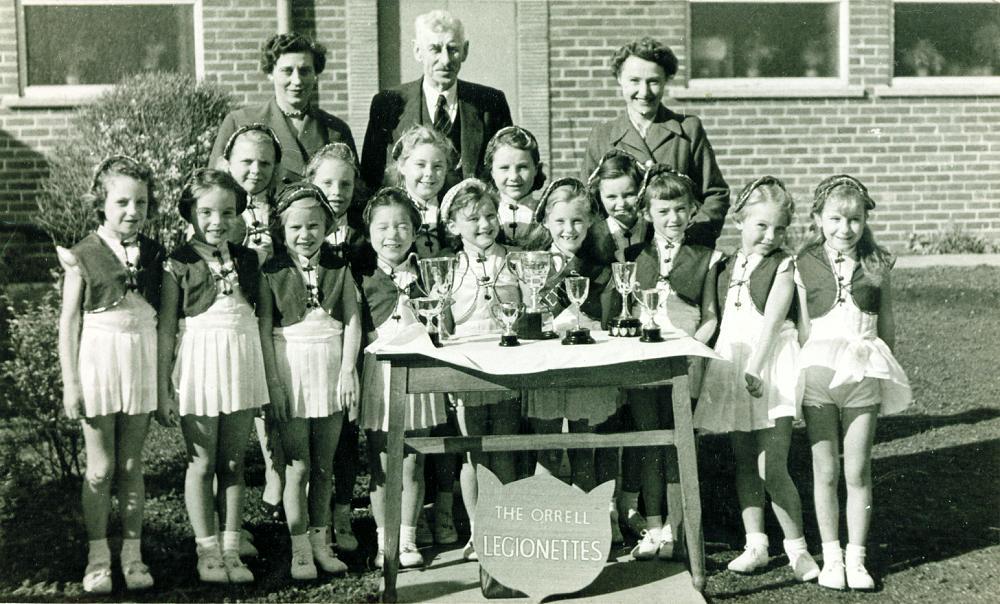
[(273, 311)]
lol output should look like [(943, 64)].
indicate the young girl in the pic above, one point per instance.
[(483, 279), (251, 157), (422, 158), (615, 183), (567, 211), (386, 289), (515, 166), (109, 367), (683, 274), (850, 375), (310, 332), (334, 169), (216, 384), (752, 393)]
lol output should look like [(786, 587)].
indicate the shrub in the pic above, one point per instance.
[(953, 240), (166, 120), (32, 409)]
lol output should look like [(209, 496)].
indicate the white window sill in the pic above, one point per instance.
[(765, 88), (55, 97), (941, 86)]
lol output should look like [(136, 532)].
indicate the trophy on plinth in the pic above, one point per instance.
[(429, 308), (650, 301), (577, 289), (438, 275), (624, 325), (507, 314), (532, 269)]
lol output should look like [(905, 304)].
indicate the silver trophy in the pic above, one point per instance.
[(429, 308), (532, 269), (438, 275), (507, 314), (650, 301), (577, 288), (624, 325)]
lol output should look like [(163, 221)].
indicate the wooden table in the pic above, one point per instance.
[(415, 374)]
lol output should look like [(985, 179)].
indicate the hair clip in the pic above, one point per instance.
[(400, 195), (616, 152), (578, 185), (453, 192), (827, 186), (228, 149), (518, 131), (658, 169), (748, 190), (107, 163)]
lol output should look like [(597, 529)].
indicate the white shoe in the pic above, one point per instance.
[(469, 551), (136, 575), (832, 575), (804, 567), (648, 546), (327, 560), (342, 532), (211, 568), (303, 566), (858, 577), (235, 569), (752, 559), (380, 558), (410, 556), (97, 578)]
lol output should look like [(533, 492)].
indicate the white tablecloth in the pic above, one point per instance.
[(483, 353)]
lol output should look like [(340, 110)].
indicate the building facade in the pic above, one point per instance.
[(900, 93)]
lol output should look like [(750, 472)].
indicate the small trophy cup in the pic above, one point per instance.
[(439, 280), (624, 325), (532, 269), (507, 313), (577, 289), (650, 301), (429, 308)]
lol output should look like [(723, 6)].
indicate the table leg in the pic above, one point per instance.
[(687, 460), (393, 480)]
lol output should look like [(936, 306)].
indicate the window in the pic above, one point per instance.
[(767, 47), (768, 40), (69, 48), (946, 39)]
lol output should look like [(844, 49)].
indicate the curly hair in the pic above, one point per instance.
[(647, 49), (201, 182), (119, 165), (520, 138), (279, 44), (421, 135)]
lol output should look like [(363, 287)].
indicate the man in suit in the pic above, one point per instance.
[(470, 114), (293, 63)]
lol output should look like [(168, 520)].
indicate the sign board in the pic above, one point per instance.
[(540, 535)]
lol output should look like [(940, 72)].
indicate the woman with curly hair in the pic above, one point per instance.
[(293, 63), (654, 134)]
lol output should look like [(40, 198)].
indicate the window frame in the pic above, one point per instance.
[(903, 86), (795, 87), (70, 95)]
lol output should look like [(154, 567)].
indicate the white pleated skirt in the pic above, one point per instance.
[(117, 361), (422, 410), (308, 355), (219, 366)]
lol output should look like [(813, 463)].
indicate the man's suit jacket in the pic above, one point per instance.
[(482, 111), (320, 128), (680, 142)]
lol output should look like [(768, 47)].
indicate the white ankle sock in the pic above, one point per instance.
[(758, 540), (131, 551), (407, 534), (207, 543), (301, 542), (98, 552), (795, 548), (832, 552), (855, 554), (230, 541), (380, 537)]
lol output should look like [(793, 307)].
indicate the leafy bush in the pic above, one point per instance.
[(32, 411), (166, 120), (953, 240)]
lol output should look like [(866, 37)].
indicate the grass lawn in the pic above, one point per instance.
[(935, 532)]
